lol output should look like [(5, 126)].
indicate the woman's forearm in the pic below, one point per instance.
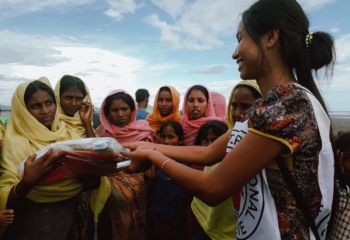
[(196, 154)]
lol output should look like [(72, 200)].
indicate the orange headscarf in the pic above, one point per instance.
[(155, 119)]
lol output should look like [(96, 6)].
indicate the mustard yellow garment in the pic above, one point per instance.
[(72, 123), (251, 83), (218, 222), (2, 131), (25, 136)]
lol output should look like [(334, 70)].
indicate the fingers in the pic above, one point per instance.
[(52, 160), (44, 157), (7, 212), (30, 159), (7, 216)]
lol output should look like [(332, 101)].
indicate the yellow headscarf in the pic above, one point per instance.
[(2, 130), (72, 123), (251, 83), (24, 136), (155, 119)]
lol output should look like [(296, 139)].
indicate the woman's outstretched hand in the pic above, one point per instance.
[(139, 156)]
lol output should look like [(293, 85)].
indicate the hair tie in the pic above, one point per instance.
[(308, 39)]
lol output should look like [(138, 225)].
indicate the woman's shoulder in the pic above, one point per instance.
[(285, 111)]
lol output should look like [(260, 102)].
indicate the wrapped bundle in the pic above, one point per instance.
[(87, 156)]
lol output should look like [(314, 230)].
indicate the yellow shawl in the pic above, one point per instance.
[(155, 119), (2, 130), (251, 83), (72, 123), (25, 136)]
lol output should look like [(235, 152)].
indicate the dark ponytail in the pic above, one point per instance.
[(288, 17)]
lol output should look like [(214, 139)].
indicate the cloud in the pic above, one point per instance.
[(212, 69), (204, 24), (201, 25), (314, 4), (101, 69), (10, 8), (118, 8), (29, 49), (343, 48), (174, 8)]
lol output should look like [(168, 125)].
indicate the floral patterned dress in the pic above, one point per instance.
[(286, 115)]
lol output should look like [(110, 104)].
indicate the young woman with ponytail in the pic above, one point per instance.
[(289, 124)]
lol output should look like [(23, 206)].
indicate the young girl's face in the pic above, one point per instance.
[(197, 104), (242, 100), (169, 137), (209, 138)]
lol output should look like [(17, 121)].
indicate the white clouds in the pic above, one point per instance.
[(101, 69), (343, 48), (118, 8), (16, 7), (174, 7), (201, 25), (313, 4), (212, 69)]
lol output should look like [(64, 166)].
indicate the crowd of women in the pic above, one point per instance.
[(207, 173)]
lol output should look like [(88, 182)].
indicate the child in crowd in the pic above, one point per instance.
[(169, 202)]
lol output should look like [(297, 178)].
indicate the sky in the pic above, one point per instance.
[(130, 44)]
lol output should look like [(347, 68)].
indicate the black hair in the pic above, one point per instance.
[(256, 93), (290, 20), (141, 94), (68, 81), (176, 126), (122, 96), (342, 142), (218, 127), (164, 88), (199, 88), (34, 86)]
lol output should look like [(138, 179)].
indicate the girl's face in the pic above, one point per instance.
[(119, 113), (209, 138), (165, 103), (197, 104), (242, 100), (169, 137), (247, 55), (42, 106), (71, 101)]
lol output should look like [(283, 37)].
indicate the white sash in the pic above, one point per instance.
[(258, 215)]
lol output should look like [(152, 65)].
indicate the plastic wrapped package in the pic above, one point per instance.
[(87, 156)]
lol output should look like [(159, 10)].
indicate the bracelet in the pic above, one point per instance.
[(164, 163)]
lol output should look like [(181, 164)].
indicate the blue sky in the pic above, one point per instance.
[(131, 44)]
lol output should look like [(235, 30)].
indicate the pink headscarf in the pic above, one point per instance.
[(135, 130), (190, 126), (219, 103)]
